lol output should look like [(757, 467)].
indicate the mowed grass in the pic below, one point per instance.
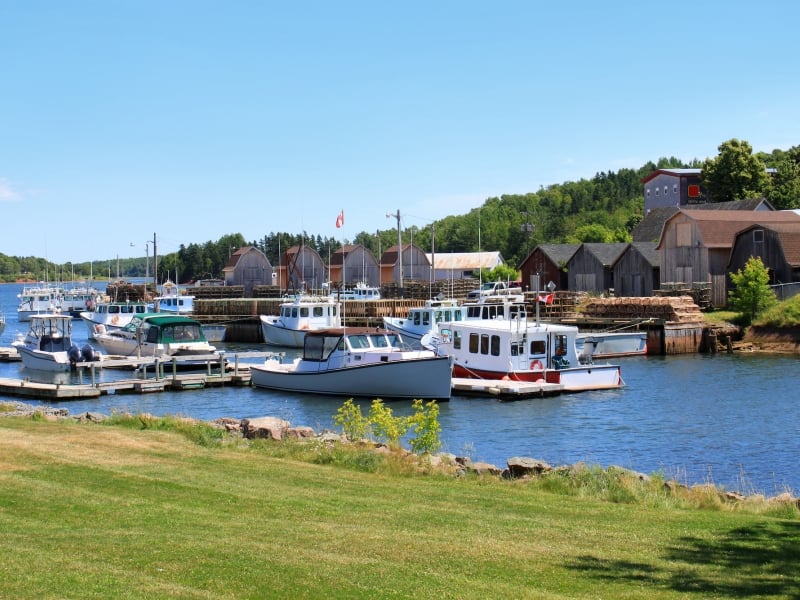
[(91, 511)]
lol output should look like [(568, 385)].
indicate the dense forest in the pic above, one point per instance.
[(604, 208)]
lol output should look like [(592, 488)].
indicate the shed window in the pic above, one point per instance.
[(675, 188), (758, 236)]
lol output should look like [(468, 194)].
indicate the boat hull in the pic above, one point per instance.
[(277, 335), (426, 379), (55, 362), (611, 345), (572, 379)]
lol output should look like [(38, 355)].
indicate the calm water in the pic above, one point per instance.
[(733, 420)]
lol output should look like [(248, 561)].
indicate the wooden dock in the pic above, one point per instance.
[(505, 389), (155, 376)]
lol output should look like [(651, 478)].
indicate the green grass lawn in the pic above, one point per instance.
[(94, 511)]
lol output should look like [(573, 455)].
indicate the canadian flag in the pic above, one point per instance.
[(546, 298), (340, 219)]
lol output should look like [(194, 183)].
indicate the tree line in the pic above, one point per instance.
[(604, 208)]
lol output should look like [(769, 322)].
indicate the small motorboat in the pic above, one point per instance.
[(358, 362), (48, 345)]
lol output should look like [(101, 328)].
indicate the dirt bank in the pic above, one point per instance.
[(773, 339)]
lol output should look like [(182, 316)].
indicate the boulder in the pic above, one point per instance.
[(520, 466), (264, 427)]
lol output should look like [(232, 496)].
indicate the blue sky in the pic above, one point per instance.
[(196, 119)]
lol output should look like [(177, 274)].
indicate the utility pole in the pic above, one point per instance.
[(399, 249)]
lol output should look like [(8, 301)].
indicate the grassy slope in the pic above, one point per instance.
[(92, 511)]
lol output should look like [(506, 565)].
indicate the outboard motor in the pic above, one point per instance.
[(88, 353), (74, 354)]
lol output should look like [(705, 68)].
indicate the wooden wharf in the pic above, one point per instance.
[(220, 370)]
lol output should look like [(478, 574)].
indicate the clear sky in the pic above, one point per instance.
[(192, 119)]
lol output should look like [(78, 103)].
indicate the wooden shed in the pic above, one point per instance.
[(696, 245), (591, 268), (415, 264), (353, 264), (301, 269), (637, 270), (248, 267), (549, 261), (776, 244)]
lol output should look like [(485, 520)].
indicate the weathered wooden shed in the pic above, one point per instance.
[(301, 269), (696, 245), (248, 267), (637, 271), (591, 268), (549, 261), (354, 263), (776, 244), (415, 264)]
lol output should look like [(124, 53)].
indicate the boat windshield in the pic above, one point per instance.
[(319, 347)]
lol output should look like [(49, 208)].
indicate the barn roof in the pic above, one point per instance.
[(464, 261), (718, 228), (789, 236), (607, 254), (648, 250), (558, 253)]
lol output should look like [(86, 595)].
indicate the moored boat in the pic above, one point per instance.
[(156, 334), (48, 344), (172, 300), (108, 316), (358, 362), (359, 291), (299, 315), (591, 346), (519, 350), (38, 299), (425, 320), (79, 298)]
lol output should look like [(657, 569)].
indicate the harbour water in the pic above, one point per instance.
[(728, 419)]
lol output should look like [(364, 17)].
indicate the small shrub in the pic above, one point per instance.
[(385, 426), (354, 425), (426, 427)]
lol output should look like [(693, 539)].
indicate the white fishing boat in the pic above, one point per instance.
[(48, 345), (299, 315), (358, 362), (424, 320), (359, 291), (108, 316), (610, 344), (79, 298), (156, 334), (173, 300), (38, 299), (427, 319), (519, 350)]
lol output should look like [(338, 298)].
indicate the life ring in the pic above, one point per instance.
[(115, 319), (536, 365)]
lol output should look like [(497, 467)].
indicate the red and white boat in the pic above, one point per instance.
[(519, 350)]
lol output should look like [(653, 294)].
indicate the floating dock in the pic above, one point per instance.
[(505, 389)]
